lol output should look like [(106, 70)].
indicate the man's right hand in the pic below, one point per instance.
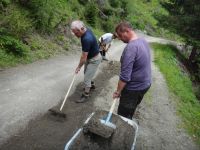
[(77, 70), (116, 94)]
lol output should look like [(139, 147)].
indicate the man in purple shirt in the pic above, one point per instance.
[(135, 74)]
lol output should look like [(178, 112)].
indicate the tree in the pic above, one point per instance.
[(184, 20)]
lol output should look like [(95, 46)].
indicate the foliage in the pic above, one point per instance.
[(107, 25), (13, 46), (180, 84), (4, 3), (42, 48), (83, 2), (185, 17), (76, 9), (34, 16), (47, 14), (115, 3), (141, 14), (16, 20), (91, 14), (108, 11)]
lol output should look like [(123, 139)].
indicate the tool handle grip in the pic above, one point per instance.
[(67, 92), (111, 110)]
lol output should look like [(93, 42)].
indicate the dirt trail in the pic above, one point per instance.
[(158, 122)]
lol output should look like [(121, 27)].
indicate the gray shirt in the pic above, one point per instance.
[(136, 65)]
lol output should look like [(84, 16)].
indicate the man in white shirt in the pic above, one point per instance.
[(105, 42)]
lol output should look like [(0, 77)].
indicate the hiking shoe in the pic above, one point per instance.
[(84, 98)]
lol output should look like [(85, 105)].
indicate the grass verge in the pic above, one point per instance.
[(38, 48), (188, 106)]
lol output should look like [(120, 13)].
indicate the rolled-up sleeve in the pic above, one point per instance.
[(127, 62)]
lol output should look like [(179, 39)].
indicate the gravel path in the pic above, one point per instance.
[(27, 92)]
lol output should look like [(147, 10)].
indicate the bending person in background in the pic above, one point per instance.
[(135, 74), (90, 56), (105, 42)]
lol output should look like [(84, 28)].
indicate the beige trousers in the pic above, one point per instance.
[(90, 69)]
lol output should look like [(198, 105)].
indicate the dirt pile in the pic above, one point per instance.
[(122, 138)]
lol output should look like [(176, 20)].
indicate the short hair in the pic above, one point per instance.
[(121, 27), (77, 24)]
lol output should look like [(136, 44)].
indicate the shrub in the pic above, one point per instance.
[(5, 3), (83, 2), (91, 14), (109, 25), (13, 46), (16, 21), (47, 14), (115, 3), (108, 11)]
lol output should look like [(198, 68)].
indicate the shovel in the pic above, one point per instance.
[(101, 127), (107, 121)]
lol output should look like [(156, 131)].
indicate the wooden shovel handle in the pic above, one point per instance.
[(111, 110)]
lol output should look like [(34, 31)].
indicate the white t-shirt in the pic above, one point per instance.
[(107, 38)]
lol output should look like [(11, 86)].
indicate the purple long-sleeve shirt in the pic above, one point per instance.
[(136, 65)]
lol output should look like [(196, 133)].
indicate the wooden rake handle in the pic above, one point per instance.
[(68, 92)]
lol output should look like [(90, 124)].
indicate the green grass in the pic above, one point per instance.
[(40, 48), (10, 60), (188, 107), (142, 15)]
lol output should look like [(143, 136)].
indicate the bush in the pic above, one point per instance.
[(108, 11), (109, 25), (13, 46), (47, 14), (137, 23), (5, 3), (91, 14), (115, 3), (16, 21), (83, 2)]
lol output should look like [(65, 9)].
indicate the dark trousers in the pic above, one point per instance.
[(129, 101), (103, 53)]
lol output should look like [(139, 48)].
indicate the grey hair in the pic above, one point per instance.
[(77, 24)]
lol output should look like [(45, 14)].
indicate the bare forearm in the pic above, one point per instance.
[(120, 86), (82, 61)]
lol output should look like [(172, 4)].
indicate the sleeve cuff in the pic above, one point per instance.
[(123, 79)]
